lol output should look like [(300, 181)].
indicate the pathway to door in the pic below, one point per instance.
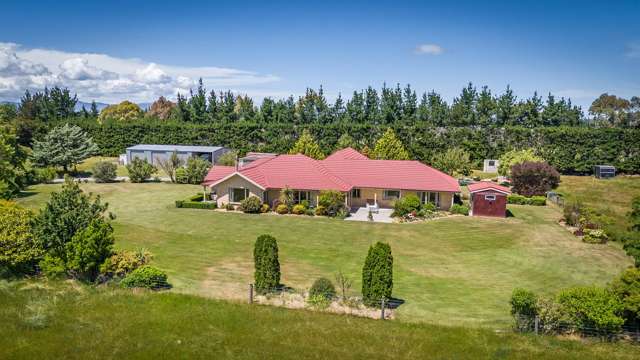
[(362, 214)]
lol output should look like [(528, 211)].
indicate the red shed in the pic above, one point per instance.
[(488, 199)]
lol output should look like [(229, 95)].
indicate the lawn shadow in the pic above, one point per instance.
[(26, 193), (394, 303), (509, 214)]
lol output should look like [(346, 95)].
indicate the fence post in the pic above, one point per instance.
[(250, 293), (536, 322), (382, 309)]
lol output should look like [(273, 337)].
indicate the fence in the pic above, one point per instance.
[(533, 324)]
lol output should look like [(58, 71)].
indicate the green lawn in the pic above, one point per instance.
[(457, 270), (611, 197), (86, 166), (44, 320)]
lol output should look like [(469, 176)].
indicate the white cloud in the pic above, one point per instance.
[(110, 79), (429, 49)]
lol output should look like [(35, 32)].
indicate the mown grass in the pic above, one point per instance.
[(610, 197), (79, 322), (457, 270)]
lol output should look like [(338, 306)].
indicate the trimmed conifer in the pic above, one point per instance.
[(267, 266), (377, 274)]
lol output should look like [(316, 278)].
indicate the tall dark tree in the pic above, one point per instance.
[(371, 106), (486, 107), (506, 108), (355, 108), (463, 107), (198, 104), (409, 104), (94, 109)]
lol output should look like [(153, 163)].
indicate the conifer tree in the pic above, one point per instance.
[(306, 145), (345, 141), (64, 146), (389, 147), (377, 274), (267, 265)]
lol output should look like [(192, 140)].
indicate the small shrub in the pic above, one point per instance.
[(572, 212), (538, 201), (196, 197), (265, 208), (147, 277), (318, 302), (298, 209), (251, 205), (104, 171), (196, 205), (140, 170), (595, 236), (179, 203), (406, 205), (267, 265), (332, 201), (123, 262), (551, 315), (230, 207), (282, 209), (523, 302), (181, 176), (196, 169), (309, 212), (459, 209), (322, 287), (592, 307), (321, 210), (45, 175)]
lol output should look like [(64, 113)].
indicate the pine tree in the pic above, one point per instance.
[(464, 107), (506, 108), (213, 107), (306, 145), (338, 110), (94, 109), (267, 265), (64, 146), (486, 107), (377, 274), (371, 106), (198, 104), (355, 108), (345, 141), (409, 104), (389, 147)]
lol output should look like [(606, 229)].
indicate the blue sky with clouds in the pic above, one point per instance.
[(114, 50)]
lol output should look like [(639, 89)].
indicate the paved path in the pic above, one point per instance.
[(362, 214)]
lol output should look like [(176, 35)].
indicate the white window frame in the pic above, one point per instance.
[(298, 199), (425, 197), (386, 196), (491, 197), (232, 198)]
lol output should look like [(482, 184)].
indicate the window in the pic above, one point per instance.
[(355, 193), (490, 197), (492, 163), (300, 196), (391, 194), (432, 197), (238, 194)]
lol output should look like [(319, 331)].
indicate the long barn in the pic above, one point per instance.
[(155, 153)]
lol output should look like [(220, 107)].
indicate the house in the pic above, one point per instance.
[(363, 181), (155, 153), (488, 199), (491, 166)]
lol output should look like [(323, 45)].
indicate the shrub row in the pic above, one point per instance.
[(568, 149), (523, 200), (185, 204)]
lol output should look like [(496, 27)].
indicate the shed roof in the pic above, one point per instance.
[(178, 148), (488, 185)]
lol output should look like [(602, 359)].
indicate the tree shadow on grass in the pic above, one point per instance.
[(509, 214), (25, 194), (394, 303)]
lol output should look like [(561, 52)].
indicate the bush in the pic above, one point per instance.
[(252, 205), (140, 170), (627, 288), (459, 209), (595, 236), (534, 178), (123, 262), (19, 249), (298, 209), (45, 175), (634, 214), (551, 315), (267, 265), (318, 302), (515, 157), (104, 171), (332, 201), (538, 201), (377, 274), (406, 205), (523, 302), (186, 204), (572, 212), (88, 249), (321, 210), (592, 307), (517, 199), (230, 207), (323, 287), (181, 176), (309, 212), (264, 208), (147, 277), (282, 209), (196, 169)]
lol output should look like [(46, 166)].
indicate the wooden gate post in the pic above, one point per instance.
[(536, 324), (382, 309), (250, 293)]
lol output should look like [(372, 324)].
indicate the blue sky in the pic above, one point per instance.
[(112, 50)]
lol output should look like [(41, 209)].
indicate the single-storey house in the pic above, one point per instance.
[(155, 153), (365, 182), (488, 199)]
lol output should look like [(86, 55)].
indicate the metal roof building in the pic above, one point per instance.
[(155, 152)]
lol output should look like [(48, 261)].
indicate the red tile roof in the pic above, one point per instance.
[(487, 185), (343, 170)]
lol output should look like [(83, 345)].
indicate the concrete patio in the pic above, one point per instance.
[(362, 214)]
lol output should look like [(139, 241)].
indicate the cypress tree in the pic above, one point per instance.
[(377, 274), (267, 266)]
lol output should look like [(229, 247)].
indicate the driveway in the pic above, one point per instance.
[(362, 214)]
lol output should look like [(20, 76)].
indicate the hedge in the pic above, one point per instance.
[(523, 200), (186, 204), (568, 149)]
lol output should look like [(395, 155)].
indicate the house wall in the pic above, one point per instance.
[(274, 194), (482, 207), (222, 189), (368, 194)]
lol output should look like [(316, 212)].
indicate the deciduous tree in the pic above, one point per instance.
[(389, 147)]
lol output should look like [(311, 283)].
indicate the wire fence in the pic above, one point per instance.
[(533, 324)]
